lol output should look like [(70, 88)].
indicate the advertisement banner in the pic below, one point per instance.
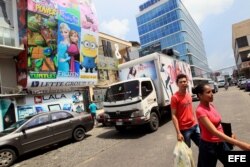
[(146, 69), (72, 101), (46, 7), (62, 43)]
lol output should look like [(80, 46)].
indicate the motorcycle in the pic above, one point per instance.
[(226, 86)]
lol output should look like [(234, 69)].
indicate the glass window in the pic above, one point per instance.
[(58, 116), (38, 121), (147, 88), (242, 42), (123, 91)]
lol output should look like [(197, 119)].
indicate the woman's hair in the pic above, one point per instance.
[(64, 26), (199, 89), (132, 72), (72, 32)]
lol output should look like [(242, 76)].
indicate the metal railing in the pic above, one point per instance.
[(7, 36)]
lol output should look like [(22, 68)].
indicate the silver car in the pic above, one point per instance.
[(42, 130)]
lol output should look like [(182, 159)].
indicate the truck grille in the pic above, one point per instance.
[(120, 114)]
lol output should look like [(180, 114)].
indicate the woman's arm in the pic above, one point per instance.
[(212, 129)]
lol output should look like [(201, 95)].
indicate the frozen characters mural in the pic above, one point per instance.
[(62, 55), (73, 51), (89, 53), (68, 50)]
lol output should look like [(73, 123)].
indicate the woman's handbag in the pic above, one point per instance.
[(227, 128)]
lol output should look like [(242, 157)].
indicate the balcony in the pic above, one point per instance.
[(245, 65), (8, 45)]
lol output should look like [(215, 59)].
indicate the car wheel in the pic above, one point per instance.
[(153, 122), (79, 134), (7, 157)]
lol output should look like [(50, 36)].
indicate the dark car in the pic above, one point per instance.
[(42, 130), (100, 118), (247, 85)]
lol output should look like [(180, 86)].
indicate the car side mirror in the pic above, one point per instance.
[(23, 130)]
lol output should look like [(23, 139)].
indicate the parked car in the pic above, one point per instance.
[(221, 83), (100, 118), (242, 84), (247, 85), (239, 81), (213, 85), (42, 130)]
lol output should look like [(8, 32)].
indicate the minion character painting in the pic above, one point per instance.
[(89, 53)]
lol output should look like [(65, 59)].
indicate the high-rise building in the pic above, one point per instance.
[(168, 23), (241, 46)]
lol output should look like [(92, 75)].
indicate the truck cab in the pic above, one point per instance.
[(132, 102)]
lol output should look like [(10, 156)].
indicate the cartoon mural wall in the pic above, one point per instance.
[(60, 38), (72, 101)]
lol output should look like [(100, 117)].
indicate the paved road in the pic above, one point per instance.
[(107, 148)]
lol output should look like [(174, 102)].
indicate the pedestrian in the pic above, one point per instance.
[(183, 117), (93, 108), (212, 144)]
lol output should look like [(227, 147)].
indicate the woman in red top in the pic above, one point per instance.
[(212, 144)]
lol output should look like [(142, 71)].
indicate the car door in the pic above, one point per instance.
[(61, 125), (37, 133)]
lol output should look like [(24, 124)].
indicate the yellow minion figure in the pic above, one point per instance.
[(89, 52)]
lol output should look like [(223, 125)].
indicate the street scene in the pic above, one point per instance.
[(104, 146), (124, 83)]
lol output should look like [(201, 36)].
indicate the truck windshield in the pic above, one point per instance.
[(123, 91)]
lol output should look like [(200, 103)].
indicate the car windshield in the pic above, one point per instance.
[(123, 91), (14, 126)]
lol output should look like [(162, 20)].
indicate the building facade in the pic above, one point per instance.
[(241, 46), (169, 23), (52, 58)]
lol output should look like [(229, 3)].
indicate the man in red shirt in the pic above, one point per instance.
[(183, 117)]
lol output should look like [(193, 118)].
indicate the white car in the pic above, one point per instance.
[(213, 85), (221, 83)]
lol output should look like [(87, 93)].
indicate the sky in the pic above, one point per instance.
[(214, 18)]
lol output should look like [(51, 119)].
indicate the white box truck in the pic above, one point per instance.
[(144, 92)]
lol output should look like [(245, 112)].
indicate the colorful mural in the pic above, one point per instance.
[(44, 103), (61, 42)]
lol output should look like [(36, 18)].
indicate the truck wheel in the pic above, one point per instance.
[(79, 134), (153, 122), (120, 128), (7, 157)]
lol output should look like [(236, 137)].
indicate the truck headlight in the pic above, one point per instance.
[(137, 113)]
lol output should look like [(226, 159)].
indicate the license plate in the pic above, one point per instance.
[(118, 123)]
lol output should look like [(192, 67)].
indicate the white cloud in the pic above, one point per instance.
[(200, 9), (221, 59), (115, 27)]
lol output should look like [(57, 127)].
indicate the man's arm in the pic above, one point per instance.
[(176, 125)]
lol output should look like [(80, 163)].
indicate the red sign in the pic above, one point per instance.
[(38, 99)]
